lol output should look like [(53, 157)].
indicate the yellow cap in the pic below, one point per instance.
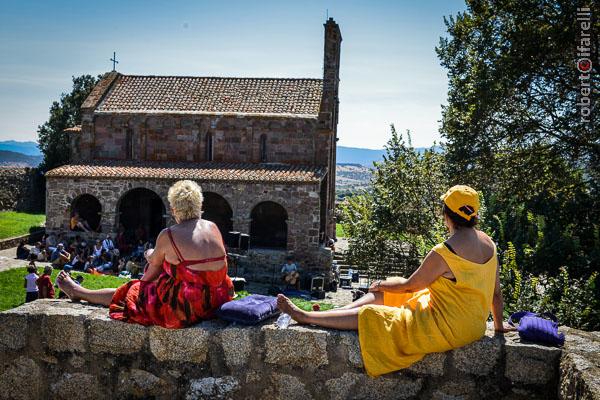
[(463, 200)]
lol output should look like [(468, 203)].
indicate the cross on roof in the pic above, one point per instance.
[(114, 60)]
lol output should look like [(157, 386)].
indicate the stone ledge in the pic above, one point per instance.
[(73, 348)]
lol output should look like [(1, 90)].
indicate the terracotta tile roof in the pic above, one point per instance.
[(179, 94), (226, 172)]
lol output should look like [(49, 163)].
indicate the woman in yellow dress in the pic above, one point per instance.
[(443, 305)]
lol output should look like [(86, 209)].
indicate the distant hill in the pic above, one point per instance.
[(14, 159), (27, 148), (351, 178), (355, 155), (366, 157)]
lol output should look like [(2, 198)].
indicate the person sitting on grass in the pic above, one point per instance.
[(39, 252), (443, 305), (106, 264), (60, 257), (89, 264), (31, 289), (97, 252), (44, 284), (22, 251), (186, 278)]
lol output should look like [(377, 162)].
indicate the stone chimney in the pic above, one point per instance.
[(328, 116)]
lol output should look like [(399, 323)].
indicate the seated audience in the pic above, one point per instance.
[(89, 263), (97, 251), (77, 262), (60, 257), (108, 244), (39, 252), (44, 284), (106, 264), (138, 251), (188, 263), (22, 251), (31, 289)]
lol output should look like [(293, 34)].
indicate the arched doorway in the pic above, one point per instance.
[(89, 209), (268, 227), (216, 209), (141, 212)]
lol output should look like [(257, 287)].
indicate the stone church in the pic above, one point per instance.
[(262, 149)]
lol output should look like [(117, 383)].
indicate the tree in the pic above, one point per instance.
[(66, 113), (514, 129), (394, 226)]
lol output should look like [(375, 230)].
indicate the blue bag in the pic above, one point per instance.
[(538, 328)]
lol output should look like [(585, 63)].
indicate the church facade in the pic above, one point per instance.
[(262, 149)]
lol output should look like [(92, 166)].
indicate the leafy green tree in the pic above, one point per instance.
[(513, 128), (65, 113), (391, 228), (514, 89)]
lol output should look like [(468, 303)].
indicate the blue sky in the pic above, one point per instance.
[(389, 69)]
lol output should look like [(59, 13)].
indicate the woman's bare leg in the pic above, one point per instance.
[(336, 319), (77, 292), (369, 298)]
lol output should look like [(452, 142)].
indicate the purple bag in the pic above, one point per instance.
[(539, 328), (250, 310)]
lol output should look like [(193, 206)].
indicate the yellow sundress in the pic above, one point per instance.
[(444, 316)]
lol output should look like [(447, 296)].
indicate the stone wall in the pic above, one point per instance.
[(301, 202), (168, 137), (63, 350), (22, 189)]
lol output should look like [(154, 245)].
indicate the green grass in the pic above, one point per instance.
[(339, 231), (12, 292), (305, 305), (14, 223)]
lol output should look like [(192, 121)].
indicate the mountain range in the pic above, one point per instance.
[(345, 155)]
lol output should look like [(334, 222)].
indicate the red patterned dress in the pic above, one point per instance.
[(180, 297)]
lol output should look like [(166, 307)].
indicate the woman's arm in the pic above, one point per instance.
[(431, 268), (156, 257), (498, 307), (25, 283)]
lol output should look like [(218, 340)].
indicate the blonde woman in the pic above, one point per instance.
[(186, 279)]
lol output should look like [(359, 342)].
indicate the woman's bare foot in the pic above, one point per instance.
[(286, 306), (67, 285)]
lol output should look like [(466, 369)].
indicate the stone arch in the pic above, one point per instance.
[(216, 209), (89, 209), (141, 211), (268, 225)]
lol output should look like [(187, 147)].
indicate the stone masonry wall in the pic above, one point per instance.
[(21, 189), (165, 137), (62, 350), (300, 201)]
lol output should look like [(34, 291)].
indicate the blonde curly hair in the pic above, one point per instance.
[(185, 198)]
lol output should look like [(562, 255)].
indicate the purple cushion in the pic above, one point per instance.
[(539, 328), (250, 310)]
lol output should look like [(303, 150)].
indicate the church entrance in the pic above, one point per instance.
[(141, 212), (216, 209), (268, 228)]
